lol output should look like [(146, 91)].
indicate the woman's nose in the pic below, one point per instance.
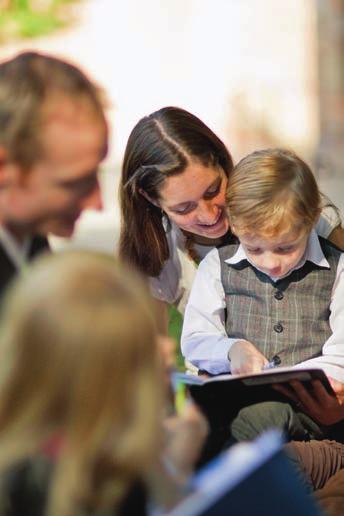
[(207, 212)]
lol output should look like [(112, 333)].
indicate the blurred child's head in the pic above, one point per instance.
[(78, 358), (273, 203)]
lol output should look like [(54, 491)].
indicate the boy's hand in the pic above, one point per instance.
[(245, 358)]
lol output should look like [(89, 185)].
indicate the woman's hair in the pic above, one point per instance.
[(28, 83), (270, 191), (161, 145), (78, 361)]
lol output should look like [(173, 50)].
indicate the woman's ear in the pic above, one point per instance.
[(148, 197)]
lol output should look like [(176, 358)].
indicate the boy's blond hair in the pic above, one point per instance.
[(78, 359), (28, 84), (270, 192)]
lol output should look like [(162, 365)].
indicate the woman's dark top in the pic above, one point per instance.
[(24, 489)]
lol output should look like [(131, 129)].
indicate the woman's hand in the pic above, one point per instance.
[(167, 348), (323, 407), (245, 358), (337, 237), (185, 436)]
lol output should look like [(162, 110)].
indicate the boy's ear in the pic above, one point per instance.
[(148, 197)]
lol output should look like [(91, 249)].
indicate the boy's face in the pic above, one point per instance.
[(275, 256), (50, 197)]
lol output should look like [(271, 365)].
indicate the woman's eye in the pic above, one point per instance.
[(213, 191), (183, 211), (256, 250)]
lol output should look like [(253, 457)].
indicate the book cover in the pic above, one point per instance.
[(221, 397), (249, 479)]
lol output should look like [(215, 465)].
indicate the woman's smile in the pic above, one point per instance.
[(195, 200)]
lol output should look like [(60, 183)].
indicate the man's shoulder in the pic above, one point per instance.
[(39, 244)]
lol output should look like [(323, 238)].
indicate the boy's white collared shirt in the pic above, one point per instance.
[(204, 339), (313, 253)]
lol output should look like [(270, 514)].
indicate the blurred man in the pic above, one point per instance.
[(53, 135)]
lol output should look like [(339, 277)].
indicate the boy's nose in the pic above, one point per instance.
[(272, 264)]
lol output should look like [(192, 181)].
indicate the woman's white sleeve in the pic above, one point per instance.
[(329, 220)]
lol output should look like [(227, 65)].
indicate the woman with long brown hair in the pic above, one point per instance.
[(172, 196)]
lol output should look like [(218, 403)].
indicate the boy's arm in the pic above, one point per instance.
[(204, 340), (332, 359)]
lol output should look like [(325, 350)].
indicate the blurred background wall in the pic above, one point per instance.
[(259, 73)]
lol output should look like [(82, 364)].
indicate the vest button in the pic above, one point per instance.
[(278, 295), (278, 328)]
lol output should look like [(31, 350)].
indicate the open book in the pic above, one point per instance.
[(221, 397), (250, 478)]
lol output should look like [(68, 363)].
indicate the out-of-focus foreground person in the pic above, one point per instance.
[(53, 135), (81, 393)]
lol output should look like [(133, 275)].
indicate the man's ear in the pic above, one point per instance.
[(148, 197), (3, 168), (10, 173)]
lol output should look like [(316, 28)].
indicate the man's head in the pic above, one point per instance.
[(53, 135)]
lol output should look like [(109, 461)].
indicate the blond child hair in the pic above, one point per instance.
[(78, 360), (272, 191)]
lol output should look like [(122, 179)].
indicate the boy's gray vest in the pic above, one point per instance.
[(289, 317)]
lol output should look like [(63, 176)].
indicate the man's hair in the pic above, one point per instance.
[(270, 191), (27, 82)]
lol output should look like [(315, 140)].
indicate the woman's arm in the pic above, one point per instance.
[(185, 435), (161, 312), (204, 341), (337, 237), (330, 225)]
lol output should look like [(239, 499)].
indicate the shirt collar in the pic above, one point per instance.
[(313, 254), (17, 251)]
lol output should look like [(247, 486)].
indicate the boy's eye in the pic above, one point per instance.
[(254, 250), (285, 249)]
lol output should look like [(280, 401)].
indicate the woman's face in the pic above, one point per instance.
[(195, 200)]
